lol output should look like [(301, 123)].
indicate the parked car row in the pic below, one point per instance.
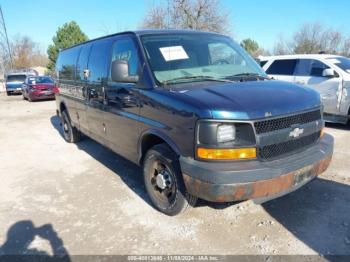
[(31, 86), (327, 74)]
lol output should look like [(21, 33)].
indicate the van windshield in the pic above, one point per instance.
[(188, 57), (16, 78), (341, 62)]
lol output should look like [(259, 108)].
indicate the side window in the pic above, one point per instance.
[(99, 61), (83, 61), (282, 67), (66, 63), (303, 67), (125, 49), (317, 68)]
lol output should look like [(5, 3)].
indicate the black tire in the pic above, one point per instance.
[(70, 133), (171, 198), (8, 93)]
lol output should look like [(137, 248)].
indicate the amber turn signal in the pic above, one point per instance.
[(226, 154), (322, 132)]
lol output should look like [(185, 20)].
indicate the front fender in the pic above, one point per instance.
[(159, 134)]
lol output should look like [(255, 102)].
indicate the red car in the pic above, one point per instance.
[(39, 88)]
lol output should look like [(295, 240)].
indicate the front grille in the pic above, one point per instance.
[(285, 122), (271, 151)]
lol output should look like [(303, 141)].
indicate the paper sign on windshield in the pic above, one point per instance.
[(171, 53)]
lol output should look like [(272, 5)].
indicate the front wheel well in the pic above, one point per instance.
[(147, 143), (62, 107)]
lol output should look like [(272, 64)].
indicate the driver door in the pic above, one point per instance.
[(309, 73), (123, 106)]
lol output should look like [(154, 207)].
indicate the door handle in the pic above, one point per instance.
[(301, 82), (123, 100), (127, 99)]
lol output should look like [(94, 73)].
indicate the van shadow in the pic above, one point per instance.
[(130, 173), (338, 126), (22, 234), (318, 214)]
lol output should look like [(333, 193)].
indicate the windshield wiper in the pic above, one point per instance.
[(247, 75), (196, 78)]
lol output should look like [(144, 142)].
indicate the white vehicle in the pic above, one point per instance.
[(328, 74)]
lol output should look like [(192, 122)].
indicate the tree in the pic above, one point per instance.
[(251, 46), (282, 47), (26, 53), (66, 36), (312, 38), (206, 15), (345, 49)]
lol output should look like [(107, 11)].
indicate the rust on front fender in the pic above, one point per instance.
[(257, 189)]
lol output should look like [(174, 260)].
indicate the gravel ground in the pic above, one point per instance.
[(94, 201)]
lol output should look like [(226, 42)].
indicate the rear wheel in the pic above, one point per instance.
[(8, 93), (164, 182), (70, 133)]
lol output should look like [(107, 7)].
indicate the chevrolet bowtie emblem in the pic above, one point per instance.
[(296, 132)]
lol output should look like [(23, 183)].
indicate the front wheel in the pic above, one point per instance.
[(164, 182), (70, 133), (8, 93)]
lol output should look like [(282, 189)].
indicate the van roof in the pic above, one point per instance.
[(148, 32)]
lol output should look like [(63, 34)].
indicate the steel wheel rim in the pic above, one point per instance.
[(164, 187)]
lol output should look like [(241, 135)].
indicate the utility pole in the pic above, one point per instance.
[(2, 21)]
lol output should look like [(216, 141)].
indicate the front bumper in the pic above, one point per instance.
[(14, 90), (41, 95), (242, 180)]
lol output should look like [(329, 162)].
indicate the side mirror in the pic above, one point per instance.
[(328, 72), (120, 72)]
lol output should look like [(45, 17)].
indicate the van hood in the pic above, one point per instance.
[(252, 99)]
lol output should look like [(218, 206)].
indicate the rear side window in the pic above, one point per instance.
[(83, 61), (99, 61), (303, 67), (66, 63), (125, 49), (282, 67)]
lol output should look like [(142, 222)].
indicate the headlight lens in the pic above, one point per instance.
[(226, 133), (223, 140)]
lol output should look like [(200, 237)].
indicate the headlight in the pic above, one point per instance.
[(225, 140), (226, 133)]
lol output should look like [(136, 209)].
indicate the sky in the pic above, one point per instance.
[(263, 21)]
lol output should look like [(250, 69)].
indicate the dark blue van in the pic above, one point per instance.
[(196, 112)]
